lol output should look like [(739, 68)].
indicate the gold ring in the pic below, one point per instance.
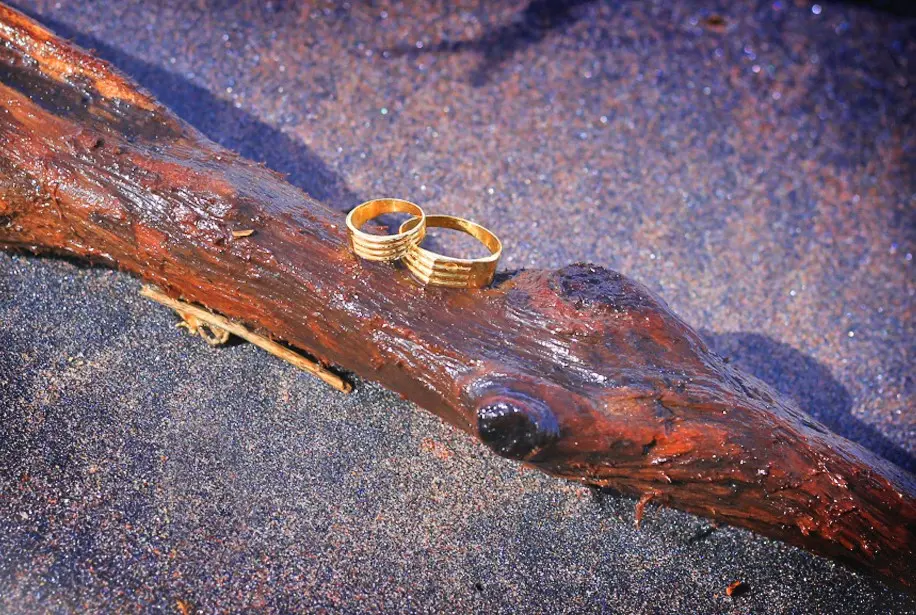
[(384, 247), (441, 270)]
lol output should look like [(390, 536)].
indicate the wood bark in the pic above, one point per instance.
[(580, 372)]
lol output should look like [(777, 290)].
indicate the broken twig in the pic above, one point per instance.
[(219, 323)]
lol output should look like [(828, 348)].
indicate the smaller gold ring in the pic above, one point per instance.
[(440, 270), (385, 247)]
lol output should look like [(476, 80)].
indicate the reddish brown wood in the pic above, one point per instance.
[(580, 372)]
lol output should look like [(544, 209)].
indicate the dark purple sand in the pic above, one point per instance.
[(758, 174)]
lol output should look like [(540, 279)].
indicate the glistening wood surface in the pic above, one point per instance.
[(581, 371)]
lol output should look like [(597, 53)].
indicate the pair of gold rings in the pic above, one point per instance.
[(427, 266)]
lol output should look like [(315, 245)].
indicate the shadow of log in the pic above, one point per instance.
[(808, 383)]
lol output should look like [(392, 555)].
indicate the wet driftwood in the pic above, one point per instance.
[(580, 372)]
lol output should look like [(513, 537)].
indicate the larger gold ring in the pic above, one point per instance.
[(440, 270), (385, 247)]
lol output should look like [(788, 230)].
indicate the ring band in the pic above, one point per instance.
[(440, 270), (385, 247)]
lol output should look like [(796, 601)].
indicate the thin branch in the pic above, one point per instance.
[(260, 341)]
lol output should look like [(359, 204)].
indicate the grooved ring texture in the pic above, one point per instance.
[(440, 270), (385, 247)]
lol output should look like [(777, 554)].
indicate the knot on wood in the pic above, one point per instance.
[(588, 286), (516, 428)]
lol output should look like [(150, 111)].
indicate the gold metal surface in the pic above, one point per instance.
[(385, 247), (440, 270)]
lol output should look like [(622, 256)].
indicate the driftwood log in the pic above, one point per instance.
[(579, 372)]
